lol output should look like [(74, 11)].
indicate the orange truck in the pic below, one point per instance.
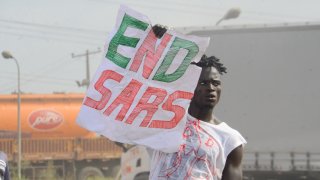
[(51, 137)]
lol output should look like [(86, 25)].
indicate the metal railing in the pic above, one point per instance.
[(281, 161)]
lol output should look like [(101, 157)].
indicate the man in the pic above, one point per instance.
[(211, 149), (4, 170)]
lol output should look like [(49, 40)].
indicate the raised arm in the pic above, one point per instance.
[(233, 168)]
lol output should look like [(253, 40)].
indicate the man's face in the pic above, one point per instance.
[(207, 92)]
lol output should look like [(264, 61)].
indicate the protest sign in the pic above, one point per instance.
[(143, 86)]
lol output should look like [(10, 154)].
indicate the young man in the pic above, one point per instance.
[(211, 149)]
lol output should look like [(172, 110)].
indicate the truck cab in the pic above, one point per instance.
[(135, 163)]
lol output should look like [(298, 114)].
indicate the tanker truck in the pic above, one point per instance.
[(51, 139)]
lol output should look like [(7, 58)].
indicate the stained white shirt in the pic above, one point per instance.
[(202, 153)]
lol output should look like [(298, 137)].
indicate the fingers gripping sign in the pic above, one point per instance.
[(139, 90)]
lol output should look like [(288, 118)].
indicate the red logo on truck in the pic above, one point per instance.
[(45, 120)]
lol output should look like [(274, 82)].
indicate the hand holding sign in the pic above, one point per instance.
[(159, 30), (142, 88)]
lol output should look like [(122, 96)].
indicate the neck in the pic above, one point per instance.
[(201, 113)]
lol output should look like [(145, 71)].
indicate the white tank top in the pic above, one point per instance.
[(202, 155)]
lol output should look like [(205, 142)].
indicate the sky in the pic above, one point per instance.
[(43, 34)]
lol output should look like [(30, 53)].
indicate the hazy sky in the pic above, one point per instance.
[(42, 34)]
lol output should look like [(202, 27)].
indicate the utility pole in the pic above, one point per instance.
[(86, 82)]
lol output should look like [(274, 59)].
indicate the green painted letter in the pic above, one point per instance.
[(177, 44), (120, 39)]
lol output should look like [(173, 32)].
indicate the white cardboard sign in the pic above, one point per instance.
[(142, 89)]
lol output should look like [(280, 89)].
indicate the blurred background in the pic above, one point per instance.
[(271, 91), (43, 34)]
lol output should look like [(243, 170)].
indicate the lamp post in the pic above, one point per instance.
[(231, 14), (7, 55)]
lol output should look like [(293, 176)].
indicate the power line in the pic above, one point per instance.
[(52, 27), (43, 82), (185, 8), (39, 82), (63, 34), (46, 69), (173, 9), (36, 79), (86, 54), (48, 31), (25, 81), (52, 66), (31, 77), (49, 38)]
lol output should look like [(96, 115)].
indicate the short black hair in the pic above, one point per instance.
[(211, 61)]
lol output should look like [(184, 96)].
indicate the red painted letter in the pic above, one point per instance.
[(125, 98), (177, 110), (151, 107), (148, 48), (105, 92)]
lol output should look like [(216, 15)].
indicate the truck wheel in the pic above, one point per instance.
[(115, 170), (142, 176), (90, 173)]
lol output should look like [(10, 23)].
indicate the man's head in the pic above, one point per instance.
[(208, 90)]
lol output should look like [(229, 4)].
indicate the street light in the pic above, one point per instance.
[(7, 55), (231, 14)]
